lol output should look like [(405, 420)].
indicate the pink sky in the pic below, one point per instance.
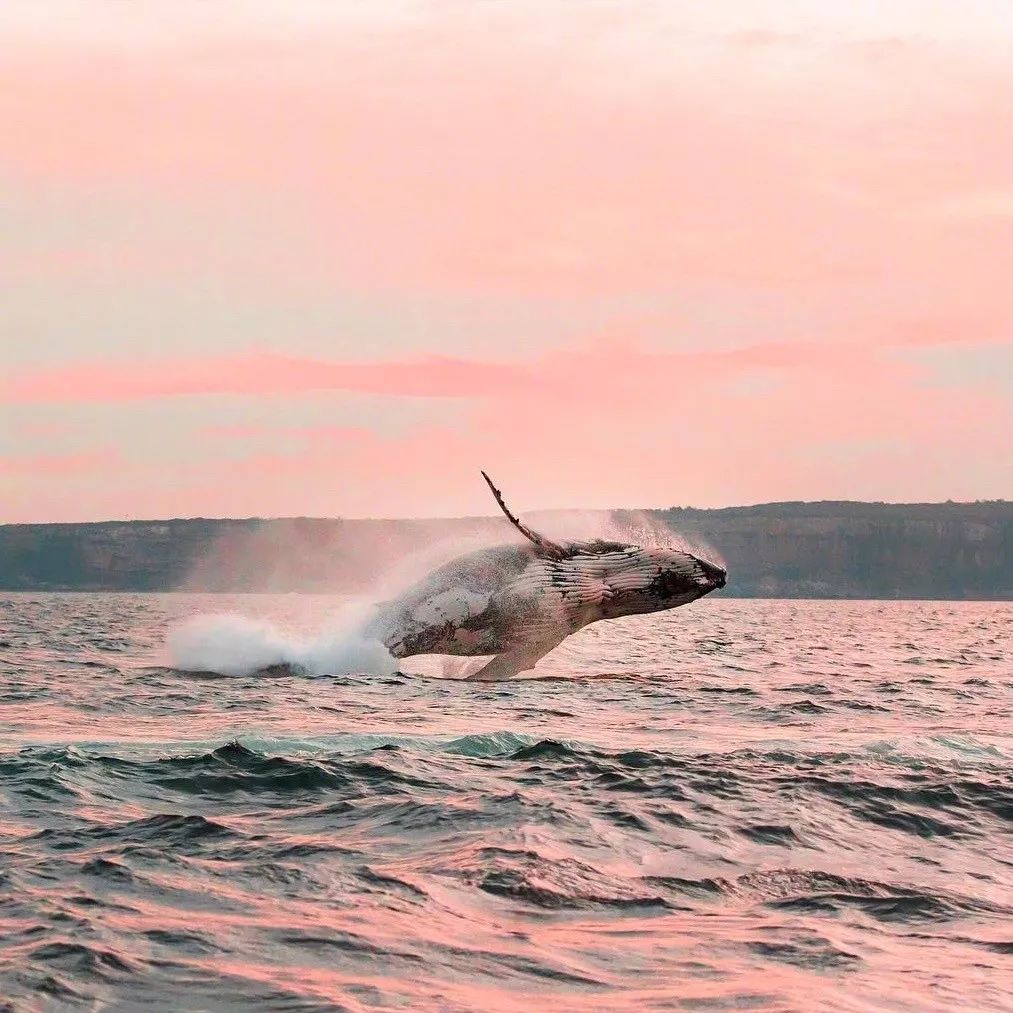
[(282, 257)]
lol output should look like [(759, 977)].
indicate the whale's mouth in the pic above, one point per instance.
[(716, 576)]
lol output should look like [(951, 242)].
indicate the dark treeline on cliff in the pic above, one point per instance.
[(825, 550)]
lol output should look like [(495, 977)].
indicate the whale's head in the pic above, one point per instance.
[(633, 579), (681, 571)]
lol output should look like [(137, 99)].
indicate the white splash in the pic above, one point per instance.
[(236, 645)]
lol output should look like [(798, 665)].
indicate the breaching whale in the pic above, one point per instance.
[(518, 602)]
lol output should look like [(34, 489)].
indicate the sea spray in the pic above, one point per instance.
[(236, 645)]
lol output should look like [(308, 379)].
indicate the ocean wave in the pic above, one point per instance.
[(693, 833)]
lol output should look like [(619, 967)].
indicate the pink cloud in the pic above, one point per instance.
[(58, 465), (263, 373), (564, 374), (608, 427)]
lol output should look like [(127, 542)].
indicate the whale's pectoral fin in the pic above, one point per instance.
[(544, 545), (510, 663)]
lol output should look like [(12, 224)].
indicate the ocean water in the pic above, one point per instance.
[(757, 805)]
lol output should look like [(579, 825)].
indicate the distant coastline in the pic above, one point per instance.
[(825, 549)]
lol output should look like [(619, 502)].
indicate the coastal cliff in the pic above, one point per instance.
[(821, 550)]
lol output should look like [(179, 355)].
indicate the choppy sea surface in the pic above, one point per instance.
[(780, 805)]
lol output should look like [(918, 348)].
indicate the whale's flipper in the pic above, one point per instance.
[(517, 659), (543, 544)]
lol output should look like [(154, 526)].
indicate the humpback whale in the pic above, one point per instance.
[(519, 601)]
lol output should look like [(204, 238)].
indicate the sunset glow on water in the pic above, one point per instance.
[(761, 805)]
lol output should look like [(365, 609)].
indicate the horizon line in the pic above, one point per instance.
[(541, 512)]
